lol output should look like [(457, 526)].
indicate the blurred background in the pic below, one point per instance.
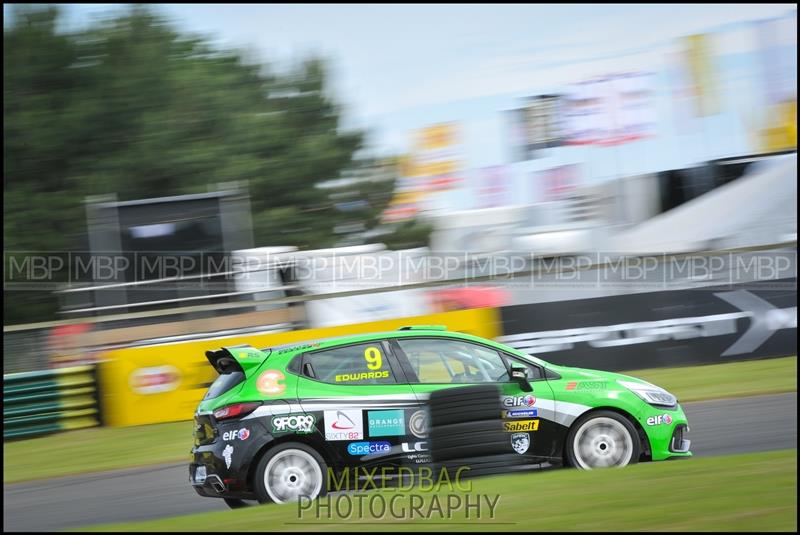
[(608, 186)]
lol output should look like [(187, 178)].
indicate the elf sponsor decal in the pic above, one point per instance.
[(270, 383), (344, 425), (154, 380), (521, 413), (386, 423), (520, 442), (521, 425), (418, 424), (586, 385), (227, 453), (241, 434), (368, 448), (293, 423), (660, 419), (519, 401)]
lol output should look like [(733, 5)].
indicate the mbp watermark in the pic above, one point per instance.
[(399, 494)]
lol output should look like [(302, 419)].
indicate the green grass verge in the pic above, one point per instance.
[(734, 379), (751, 492), (92, 450)]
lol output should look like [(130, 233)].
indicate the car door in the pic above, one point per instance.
[(435, 363), (361, 400)]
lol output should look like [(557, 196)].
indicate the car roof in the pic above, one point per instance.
[(334, 341)]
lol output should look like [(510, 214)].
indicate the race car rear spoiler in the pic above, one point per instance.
[(243, 358)]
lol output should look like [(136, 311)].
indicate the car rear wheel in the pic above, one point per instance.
[(602, 439), (289, 471)]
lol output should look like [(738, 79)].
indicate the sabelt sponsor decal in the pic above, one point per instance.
[(521, 425), (154, 380), (344, 425)]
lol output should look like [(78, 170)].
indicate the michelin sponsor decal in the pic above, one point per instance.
[(522, 413)]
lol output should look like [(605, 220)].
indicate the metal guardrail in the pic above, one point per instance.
[(43, 402)]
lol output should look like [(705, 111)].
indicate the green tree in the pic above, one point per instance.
[(132, 106)]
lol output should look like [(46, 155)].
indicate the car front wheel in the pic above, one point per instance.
[(602, 439), (289, 471)]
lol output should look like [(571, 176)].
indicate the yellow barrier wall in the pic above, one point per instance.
[(164, 383)]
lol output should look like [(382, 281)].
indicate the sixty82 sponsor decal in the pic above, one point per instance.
[(344, 425), (660, 419), (293, 423)]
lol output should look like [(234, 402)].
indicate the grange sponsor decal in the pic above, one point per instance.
[(293, 423), (154, 380), (521, 425), (344, 425), (386, 423)]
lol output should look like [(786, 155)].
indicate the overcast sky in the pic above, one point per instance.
[(390, 61)]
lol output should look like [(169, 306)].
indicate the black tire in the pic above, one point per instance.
[(595, 418), (457, 413), (489, 394), (259, 484), (235, 503)]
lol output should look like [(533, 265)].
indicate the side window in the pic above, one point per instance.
[(534, 372), (453, 361), (362, 364)]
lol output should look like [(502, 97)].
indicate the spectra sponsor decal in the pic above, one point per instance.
[(386, 423), (154, 380), (293, 423), (227, 453), (241, 434), (368, 448), (269, 383), (362, 376), (660, 419), (418, 424), (519, 401), (344, 425), (520, 442), (521, 413), (521, 425)]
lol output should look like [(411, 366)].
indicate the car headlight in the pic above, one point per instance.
[(651, 394)]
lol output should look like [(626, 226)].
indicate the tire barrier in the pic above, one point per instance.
[(43, 402), (466, 431)]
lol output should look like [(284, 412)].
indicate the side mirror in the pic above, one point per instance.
[(519, 374)]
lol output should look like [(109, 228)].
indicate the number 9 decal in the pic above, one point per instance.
[(373, 357)]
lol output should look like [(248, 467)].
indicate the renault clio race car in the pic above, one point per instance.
[(276, 420)]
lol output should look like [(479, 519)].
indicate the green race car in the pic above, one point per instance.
[(276, 420)]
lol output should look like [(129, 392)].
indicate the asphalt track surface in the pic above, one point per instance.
[(718, 427)]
